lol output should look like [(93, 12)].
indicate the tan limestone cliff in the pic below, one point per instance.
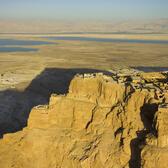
[(115, 121)]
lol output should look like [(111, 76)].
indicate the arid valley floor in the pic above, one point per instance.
[(25, 66)]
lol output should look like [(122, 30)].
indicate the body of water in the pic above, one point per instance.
[(109, 40), (13, 42), (11, 45), (17, 49)]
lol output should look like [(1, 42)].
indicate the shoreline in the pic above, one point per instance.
[(163, 37)]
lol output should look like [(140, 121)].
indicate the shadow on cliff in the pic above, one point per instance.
[(15, 106), (150, 68), (147, 116)]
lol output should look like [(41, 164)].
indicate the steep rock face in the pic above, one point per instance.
[(103, 121)]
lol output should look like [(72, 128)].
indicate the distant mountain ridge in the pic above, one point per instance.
[(152, 26)]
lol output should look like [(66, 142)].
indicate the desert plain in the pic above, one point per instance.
[(83, 54)]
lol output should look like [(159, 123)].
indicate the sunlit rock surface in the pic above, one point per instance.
[(116, 121)]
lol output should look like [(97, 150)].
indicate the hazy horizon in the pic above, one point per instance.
[(71, 10)]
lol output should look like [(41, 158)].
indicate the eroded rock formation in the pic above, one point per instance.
[(104, 121)]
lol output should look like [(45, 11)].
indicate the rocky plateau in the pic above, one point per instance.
[(104, 121)]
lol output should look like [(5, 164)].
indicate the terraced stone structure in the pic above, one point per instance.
[(116, 121)]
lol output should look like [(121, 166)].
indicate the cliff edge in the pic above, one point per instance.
[(117, 121)]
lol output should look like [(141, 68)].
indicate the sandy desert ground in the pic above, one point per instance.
[(24, 66)]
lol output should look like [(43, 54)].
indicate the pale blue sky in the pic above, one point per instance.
[(83, 9)]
